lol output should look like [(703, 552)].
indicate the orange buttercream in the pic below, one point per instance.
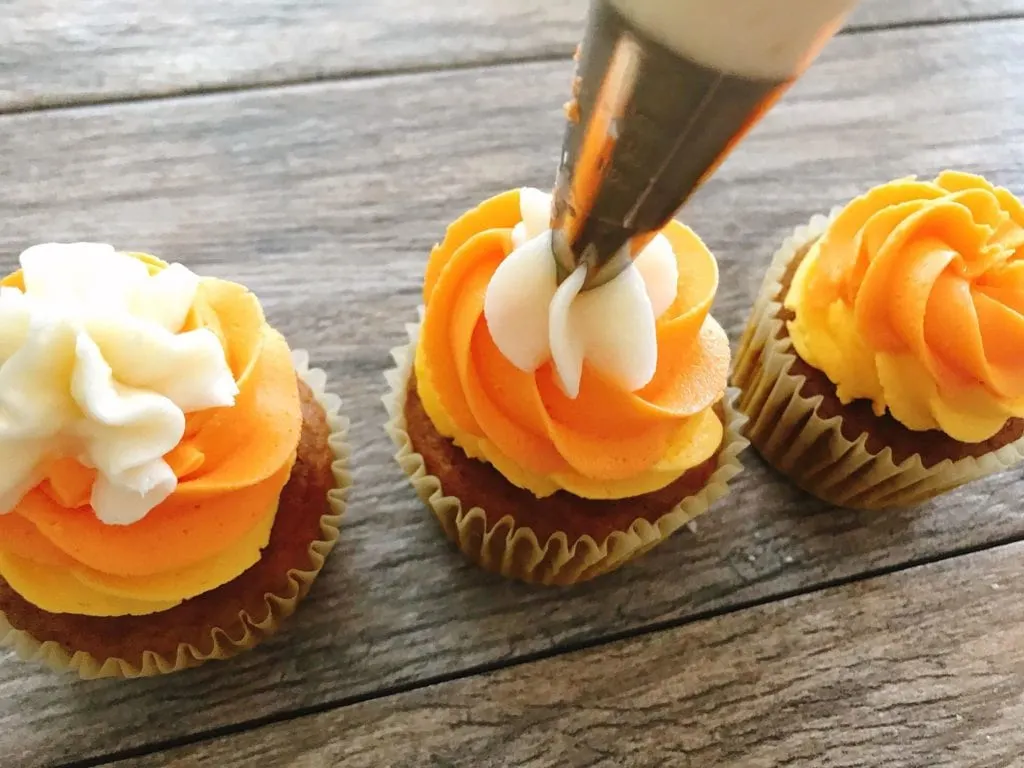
[(914, 298), (231, 467), (606, 442)]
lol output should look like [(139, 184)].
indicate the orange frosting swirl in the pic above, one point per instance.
[(599, 442), (231, 466), (914, 298)]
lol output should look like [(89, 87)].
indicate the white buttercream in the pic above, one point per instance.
[(93, 366), (532, 319)]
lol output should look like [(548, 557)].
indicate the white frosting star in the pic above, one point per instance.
[(93, 366), (612, 327)]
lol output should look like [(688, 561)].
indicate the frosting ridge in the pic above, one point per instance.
[(606, 440), (914, 298), (95, 366), (533, 319), (229, 467)]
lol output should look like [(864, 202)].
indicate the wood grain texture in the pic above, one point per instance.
[(325, 200), (64, 51), (923, 668)]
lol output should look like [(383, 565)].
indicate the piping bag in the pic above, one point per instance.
[(664, 90)]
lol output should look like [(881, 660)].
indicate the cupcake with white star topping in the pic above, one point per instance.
[(556, 434), (174, 473)]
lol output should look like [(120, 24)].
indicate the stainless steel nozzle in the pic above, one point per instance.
[(657, 105)]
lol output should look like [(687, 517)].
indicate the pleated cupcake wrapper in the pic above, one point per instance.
[(785, 429), (505, 547), (248, 631)]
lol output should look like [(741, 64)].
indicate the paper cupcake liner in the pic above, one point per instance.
[(513, 550), (785, 429), (249, 630)]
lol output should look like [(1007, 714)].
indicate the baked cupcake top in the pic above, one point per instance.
[(607, 393), (913, 298), (148, 422)]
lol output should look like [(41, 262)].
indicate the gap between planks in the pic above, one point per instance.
[(81, 102), (112, 758)]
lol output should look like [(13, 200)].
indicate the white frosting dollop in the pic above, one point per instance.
[(93, 366), (612, 327)]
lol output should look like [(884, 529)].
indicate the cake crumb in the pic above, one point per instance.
[(576, 53)]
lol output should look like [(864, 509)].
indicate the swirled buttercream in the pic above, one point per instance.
[(550, 401), (93, 365), (123, 362), (914, 298), (532, 319)]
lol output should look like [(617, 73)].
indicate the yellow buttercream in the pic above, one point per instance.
[(74, 588), (914, 299), (696, 440)]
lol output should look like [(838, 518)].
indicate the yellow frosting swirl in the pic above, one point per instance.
[(914, 299)]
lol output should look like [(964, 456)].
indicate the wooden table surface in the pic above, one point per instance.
[(315, 151)]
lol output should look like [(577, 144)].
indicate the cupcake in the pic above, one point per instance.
[(174, 475), (882, 362), (557, 434)]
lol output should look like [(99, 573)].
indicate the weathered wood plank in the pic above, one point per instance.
[(62, 51), (921, 668), (325, 199)]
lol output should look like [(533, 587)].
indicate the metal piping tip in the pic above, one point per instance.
[(650, 121), (580, 182)]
